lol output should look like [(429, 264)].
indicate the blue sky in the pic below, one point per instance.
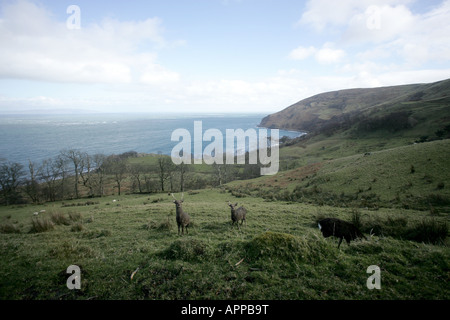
[(213, 55)]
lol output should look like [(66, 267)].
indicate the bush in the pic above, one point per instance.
[(59, 218), (77, 227), (41, 225), (286, 247), (75, 216), (149, 225), (9, 228), (186, 249), (356, 218), (429, 231)]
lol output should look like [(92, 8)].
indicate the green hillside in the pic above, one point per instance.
[(414, 176)]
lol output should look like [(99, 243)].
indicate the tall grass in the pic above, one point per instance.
[(41, 225), (59, 218), (9, 227), (429, 231)]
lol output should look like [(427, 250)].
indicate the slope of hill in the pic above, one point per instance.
[(336, 108), (414, 176)]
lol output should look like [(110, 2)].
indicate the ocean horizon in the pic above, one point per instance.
[(37, 137)]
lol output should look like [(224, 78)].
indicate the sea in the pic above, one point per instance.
[(26, 137)]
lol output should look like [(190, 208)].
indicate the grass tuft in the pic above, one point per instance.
[(429, 231), (77, 227), (41, 225), (8, 227), (59, 218), (187, 249)]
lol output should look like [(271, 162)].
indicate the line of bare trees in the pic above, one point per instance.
[(75, 174), (54, 178)]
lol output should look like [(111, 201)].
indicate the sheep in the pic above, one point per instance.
[(182, 217), (237, 214), (340, 229)]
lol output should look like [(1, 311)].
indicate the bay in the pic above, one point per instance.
[(40, 137)]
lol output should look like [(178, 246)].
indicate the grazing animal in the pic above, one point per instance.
[(183, 218), (339, 229), (237, 214)]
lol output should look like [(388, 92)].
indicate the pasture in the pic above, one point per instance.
[(127, 247)]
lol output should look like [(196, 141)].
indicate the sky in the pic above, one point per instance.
[(212, 56)]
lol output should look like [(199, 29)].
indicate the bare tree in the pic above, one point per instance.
[(137, 172), (223, 173), (99, 163), (60, 169), (183, 169), (149, 183), (86, 172), (75, 157), (32, 186), (165, 170), (10, 179), (117, 166), (50, 174)]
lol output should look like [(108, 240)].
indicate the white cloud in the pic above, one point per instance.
[(379, 42), (157, 75), (321, 14), (37, 47), (302, 53), (325, 55), (328, 55), (384, 29), (379, 23)]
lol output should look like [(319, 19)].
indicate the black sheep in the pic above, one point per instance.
[(339, 229)]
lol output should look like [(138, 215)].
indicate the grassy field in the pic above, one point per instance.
[(128, 248), (411, 176)]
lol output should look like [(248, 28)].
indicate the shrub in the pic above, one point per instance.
[(186, 249), (166, 225), (149, 225), (59, 218), (287, 247), (94, 234), (429, 230), (9, 228), (72, 250), (77, 227), (356, 218), (75, 216), (41, 225), (437, 200)]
